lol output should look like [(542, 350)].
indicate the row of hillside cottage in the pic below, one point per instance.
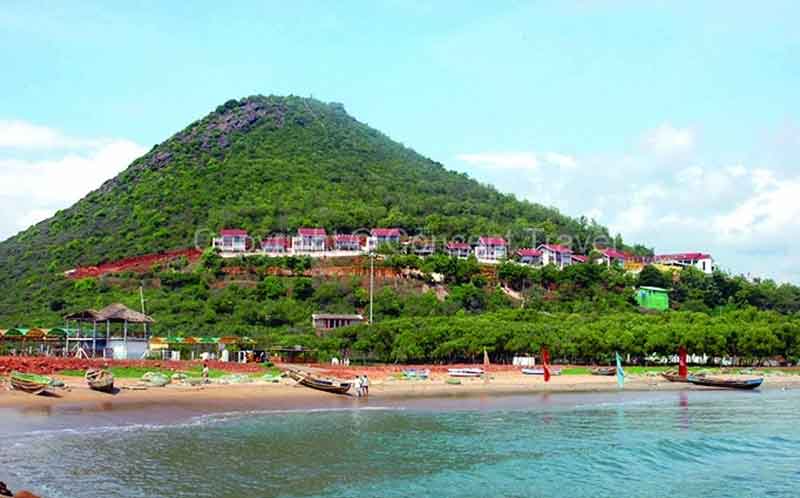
[(317, 242)]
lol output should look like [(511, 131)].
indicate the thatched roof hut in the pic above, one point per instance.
[(115, 313)]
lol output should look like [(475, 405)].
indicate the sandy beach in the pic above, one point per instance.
[(214, 397)]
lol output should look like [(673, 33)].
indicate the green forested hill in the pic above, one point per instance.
[(266, 164)]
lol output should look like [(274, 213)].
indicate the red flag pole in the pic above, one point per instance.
[(546, 364), (683, 371)]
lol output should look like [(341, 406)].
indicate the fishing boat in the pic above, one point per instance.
[(540, 371), (465, 372), (100, 380), (674, 376), (603, 371), (30, 383), (413, 373), (334, 386), (725, 382)]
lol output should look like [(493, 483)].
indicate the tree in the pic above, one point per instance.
[(651, 276)]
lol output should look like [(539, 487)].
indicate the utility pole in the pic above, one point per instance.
[(371, 282), (141, 300)]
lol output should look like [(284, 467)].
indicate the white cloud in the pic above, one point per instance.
[(768, 217), (502, 160), (32, 189), (24, 135), (668, 141)]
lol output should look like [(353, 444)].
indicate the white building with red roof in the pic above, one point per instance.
[(491, 249), (383, 236), (555, 254), (458, 250), (702, 261), (529, 256), (309, 240), (231, 240), (610, 256), (347, 242), (276, 244)]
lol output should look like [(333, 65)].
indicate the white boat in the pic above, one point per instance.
[(465, 372), (540, 371)]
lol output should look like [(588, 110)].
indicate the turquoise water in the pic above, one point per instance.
[(704, 444)]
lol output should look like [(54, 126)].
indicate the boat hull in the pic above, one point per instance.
[(672, 376), (464, 372), (325, 385), (540, 371), (30, 384), (607, 371), (100, 380), (747, 384)]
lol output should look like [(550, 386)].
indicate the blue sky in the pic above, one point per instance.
[(674, 123)]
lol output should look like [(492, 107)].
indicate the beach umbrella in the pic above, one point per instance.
[(620, 372)]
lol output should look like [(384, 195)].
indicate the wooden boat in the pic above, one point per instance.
[(100, 380), (334, 386), (465, 372), (540, 371), (603, 371), (30, 383), (413, 373), (725, 382), (674, 376)]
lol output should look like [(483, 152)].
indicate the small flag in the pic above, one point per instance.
[(620, 372), (682, 369), (546, 364)]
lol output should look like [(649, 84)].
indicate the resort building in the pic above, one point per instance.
[(555, 254), (578, 259), (654, 298), (458, 249), (309, 240), (347, 242), (422, 248), (231, 240), (701, 261), (277, 244), (382, 236), (529, 256), (490, 249), (612, 257), (328, 321)]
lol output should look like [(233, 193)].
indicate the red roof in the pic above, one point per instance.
[(556, 248), (278, 240), (233, 232), (311, 232), (345, 237), (458, 246), (694, 256), (385, 232), (613, 254), (528, 252), (579, 258), (492, 241)]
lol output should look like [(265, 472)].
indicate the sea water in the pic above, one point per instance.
[(693, 444)]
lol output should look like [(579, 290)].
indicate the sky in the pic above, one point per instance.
[(676, 124)]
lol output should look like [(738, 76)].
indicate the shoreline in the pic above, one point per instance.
[(78, 398)]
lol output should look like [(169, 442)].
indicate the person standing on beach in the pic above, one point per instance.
[(205, 373), (365, 386), (357, 385)]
